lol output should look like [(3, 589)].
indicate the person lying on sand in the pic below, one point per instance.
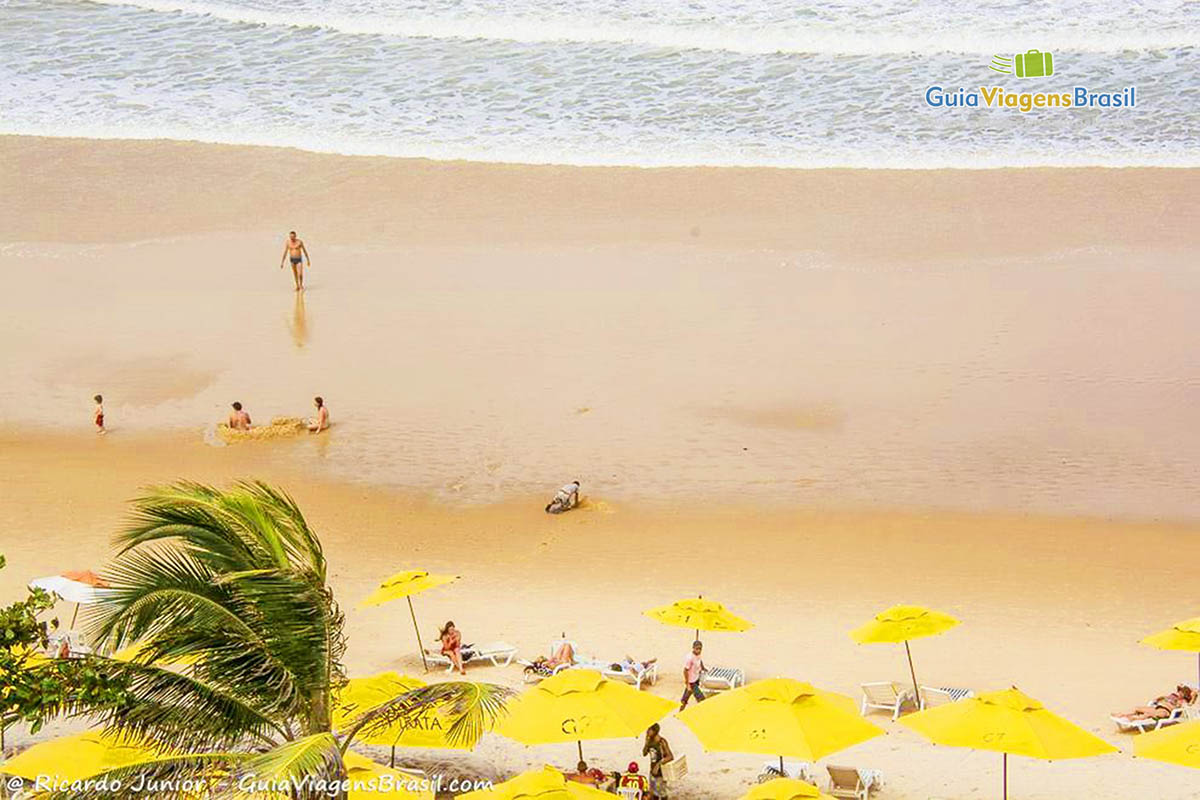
[(1162, 707), (321, 421), (239, 420), (565, 499)]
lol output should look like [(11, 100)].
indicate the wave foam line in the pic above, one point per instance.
[(674, 37), (883, 158)]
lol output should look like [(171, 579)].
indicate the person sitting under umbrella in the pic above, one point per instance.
[(1164, 706)]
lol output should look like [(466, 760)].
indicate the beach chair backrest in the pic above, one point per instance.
[(881, 692), (844, 777), (629, 793)]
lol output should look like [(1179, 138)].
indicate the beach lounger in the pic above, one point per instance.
[(720, 679), (853, 784), (649, 675), (75, 644), (500, 654), (886, 696), (940, 695), (799, 770), (1125, 724)]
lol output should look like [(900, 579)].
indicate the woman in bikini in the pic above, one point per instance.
[(451, 640), (1164, 706)]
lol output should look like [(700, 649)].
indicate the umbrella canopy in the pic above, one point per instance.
[(74, 587), (371, 781), (785, 789), (780, 717), (73, 758), (578, 704), (402, 586), (1008, 722), (699, 615), (1180, 636), (1178, 744), (363, 694), (900, 624), (539, 784)]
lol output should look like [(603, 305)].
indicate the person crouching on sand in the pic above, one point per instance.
[(566, 498), (321, 421), (98, 415), (239, 420)]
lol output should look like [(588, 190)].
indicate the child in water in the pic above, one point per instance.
[(98, 415)]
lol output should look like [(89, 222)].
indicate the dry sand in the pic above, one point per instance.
[(1053, 603)]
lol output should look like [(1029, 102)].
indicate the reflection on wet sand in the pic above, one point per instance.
[(298, 322)]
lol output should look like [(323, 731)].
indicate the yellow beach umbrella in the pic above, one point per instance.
[(371, 781), (363, 694), (1008, 722), (900, 624), (539, 784), (403, 585), (699, 615), (1180, 636), (779, 717), (785, 789), (73, 758), (578, 704), (1178, 744)]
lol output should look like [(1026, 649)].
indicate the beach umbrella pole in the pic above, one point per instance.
[(579, 744), (417, 630), (912, 671), (1005, 776), (74, 615), (393, 761)]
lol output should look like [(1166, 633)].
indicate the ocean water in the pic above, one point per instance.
[(641, 82)]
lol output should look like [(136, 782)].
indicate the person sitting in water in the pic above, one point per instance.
[(239, 420), (452, 646), (1164, 706), (565, 499), (321, 421)]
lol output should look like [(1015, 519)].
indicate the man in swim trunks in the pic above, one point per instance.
[(239, 420), (295, 250)]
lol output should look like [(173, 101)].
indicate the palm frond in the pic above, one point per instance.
[(305, 768), (471, 708), (185, 776)]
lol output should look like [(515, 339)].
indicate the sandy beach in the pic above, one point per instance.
[(810, 395)]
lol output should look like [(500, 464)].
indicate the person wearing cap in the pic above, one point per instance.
[(632, 780)]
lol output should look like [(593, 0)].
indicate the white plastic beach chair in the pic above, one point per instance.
[(500, 654), (940, 695), (721, 679), (636, 678), (800, 770), (886, 696), (1125, 724), (852, 783)]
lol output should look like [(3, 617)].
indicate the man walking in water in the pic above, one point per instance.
[(295, 250)]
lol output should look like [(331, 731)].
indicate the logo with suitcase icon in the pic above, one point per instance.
[(1030, 64)]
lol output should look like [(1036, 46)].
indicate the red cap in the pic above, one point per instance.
[(633, 767)]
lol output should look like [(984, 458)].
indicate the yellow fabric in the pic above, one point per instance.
[(579, 704), (539, 784), (785, 789), (902, 623), (1007, 721), (405, 584), (133, 651), (1177, 744), (363, 694), (1180, 636), (779, 717), (72, 758), (371, 781), (697, 613)]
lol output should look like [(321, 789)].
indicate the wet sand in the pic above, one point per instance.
[(1052, 605), (810, 395)]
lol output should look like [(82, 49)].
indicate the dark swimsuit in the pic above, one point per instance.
[(296, 260)]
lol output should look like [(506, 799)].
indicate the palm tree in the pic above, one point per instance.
[(232, 583)]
